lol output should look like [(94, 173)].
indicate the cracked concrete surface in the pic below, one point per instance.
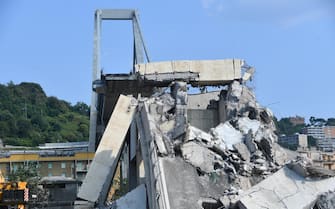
[(285, 189)]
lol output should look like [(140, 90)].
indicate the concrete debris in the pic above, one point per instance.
[(201, 157), (194, 133), (245, 125), (306, 169), (232, 157), (325, 201), (94, 187), (285, 189), (235, 163), (248, 74), (242, 149), (227, 134), (134, 199)]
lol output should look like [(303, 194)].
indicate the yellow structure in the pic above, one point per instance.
[(13, 194)]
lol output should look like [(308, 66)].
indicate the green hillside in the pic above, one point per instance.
[(28, 117)]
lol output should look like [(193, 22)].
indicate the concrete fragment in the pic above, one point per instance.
[(326, 201), (227, 133), (319, 172), (266, 147), (136, 198), (236, 90), (108, 152), (242, 149), (281, 155), (299, 168), (248, 140), (266, 116), (285, 189), (167, 126), (183, 189), (245, 125), (200, 157), (225, 201), (248, 74), (194, 133), (209, 72), (179, 92), (152, 125)]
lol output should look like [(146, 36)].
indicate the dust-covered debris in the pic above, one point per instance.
[(325, 201), (237, 153), (237, 163)]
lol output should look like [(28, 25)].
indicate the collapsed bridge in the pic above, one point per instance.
[(177, 149)]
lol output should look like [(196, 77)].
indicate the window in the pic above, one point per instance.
[(63, 165), (49, 174), (64, 174), (79, 166), (49, 165)]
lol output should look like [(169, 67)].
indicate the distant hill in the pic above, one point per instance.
[(28, 117)]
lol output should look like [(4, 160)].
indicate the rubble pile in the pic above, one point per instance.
[(235, 155), (325, 201)]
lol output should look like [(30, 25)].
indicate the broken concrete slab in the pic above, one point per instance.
[(194, 133), (285, 189), (245, 125), (249, 142), (201, 157), (242, 150), (208, 72), (108, 152), (183, 190), (136, 198), (325, 201), (227, 133)]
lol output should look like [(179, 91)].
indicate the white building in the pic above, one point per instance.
[(294, 141), (315, 131), (326, 145)]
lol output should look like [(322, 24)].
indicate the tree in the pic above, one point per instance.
[(28, 117), (24, 127), (317, 121), (82, 108), (24, 172), (284, 126), (330, 122)]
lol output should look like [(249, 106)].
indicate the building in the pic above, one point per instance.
[(326, 145), (294, 141), (297, 120), (315, 131), (329, 132), (66, 159), (319, 158)]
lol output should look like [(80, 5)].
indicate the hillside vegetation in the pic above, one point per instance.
[(28, 117)]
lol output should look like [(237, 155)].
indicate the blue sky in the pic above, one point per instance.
[(290, 43)]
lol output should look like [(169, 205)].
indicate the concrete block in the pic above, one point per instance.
[(136, 198), (200, 157), (227, 133), (285, 189), (108, 152), (210, 72)]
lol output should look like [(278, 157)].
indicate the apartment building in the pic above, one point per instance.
[(329, 132), (315, 131), (293, 141), (65, 159)]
